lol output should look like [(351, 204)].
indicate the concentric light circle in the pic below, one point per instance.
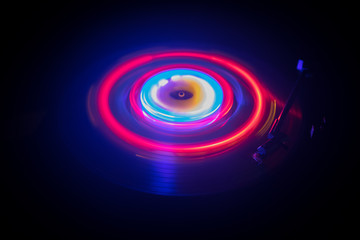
[(224, 97), (159, 97), (181, 95)]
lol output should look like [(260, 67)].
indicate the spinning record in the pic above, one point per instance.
[(178, 107)]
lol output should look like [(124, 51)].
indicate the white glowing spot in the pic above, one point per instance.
[(176, 78), (163, 82), (153, 94)]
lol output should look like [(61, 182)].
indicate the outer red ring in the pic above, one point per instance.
[(206, 147)]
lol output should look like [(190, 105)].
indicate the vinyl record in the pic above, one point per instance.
[(182, 116)]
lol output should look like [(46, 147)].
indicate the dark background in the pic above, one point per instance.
[(49, 47)]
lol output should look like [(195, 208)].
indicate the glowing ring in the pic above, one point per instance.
[(197, 148), (209, 105), (225, 106)]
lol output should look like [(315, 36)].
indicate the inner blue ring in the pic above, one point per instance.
[(154, 110)]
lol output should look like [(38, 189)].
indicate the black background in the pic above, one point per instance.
[(50, 193)]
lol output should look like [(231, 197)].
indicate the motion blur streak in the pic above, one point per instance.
[(239, 109), (264, 129)]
